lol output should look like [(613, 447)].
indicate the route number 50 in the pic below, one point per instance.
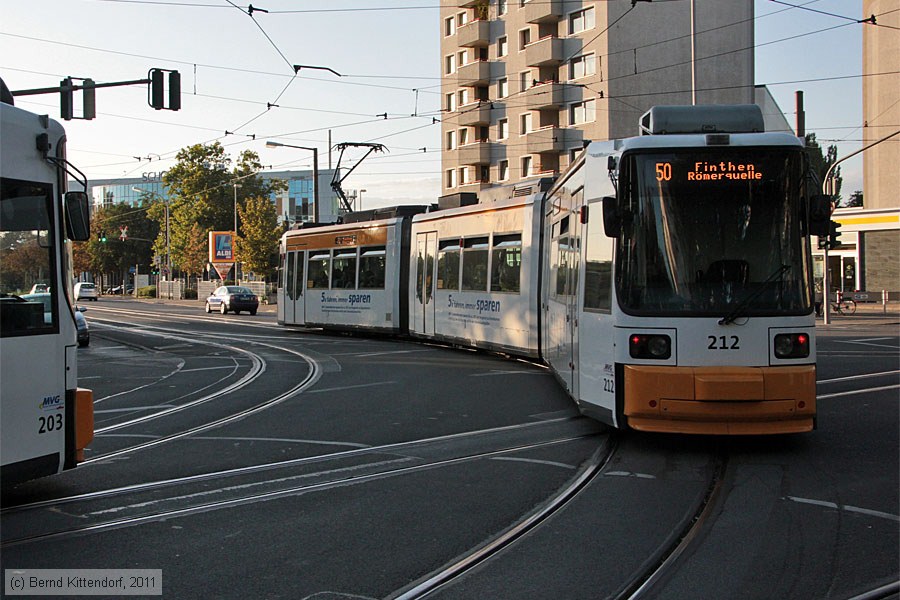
[(664, 171)]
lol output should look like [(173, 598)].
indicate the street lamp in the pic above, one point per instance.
[(359, 205), (315, 151), (168, 255), (236, 186)]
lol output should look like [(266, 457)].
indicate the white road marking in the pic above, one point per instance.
[(629, 474), (133, 408), (287, 440), (350, 387), (535, 461), (852, 377), (861, 343), (492, 373), (844, 507)]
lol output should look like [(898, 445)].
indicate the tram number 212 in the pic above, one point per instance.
[(723, 342)]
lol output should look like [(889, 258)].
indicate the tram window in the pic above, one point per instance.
[(344, 269), (448, 265), (372, 266), (26, 259), (562, 266), (287, 275), (318, 271), (475, 264), (598, 264), (506, 263)]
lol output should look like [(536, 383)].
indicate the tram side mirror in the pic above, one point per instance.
[(78, 216), (612, 218), (819, 215)]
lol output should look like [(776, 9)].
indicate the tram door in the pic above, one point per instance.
[(426, 253), (293, 288), (560, 304)]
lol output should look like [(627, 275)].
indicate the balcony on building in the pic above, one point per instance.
[(542, 11), (475, 113), (474, 34), (474, 73), (477, 153), (545, 95), (545, 52), (474, 186)]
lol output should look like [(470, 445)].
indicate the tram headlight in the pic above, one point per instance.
[(642, 345), (791, 345)]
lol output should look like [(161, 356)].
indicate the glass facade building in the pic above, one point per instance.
[(295, 205)]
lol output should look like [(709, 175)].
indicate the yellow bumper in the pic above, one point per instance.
[(84, 421), (721, 400)]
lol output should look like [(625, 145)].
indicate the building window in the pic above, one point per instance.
[(502, 46), (450, 178), (524, 38), (582, 112), (526, 166), (501, 7), (503, 170), (524, 80), (451, 102), (582, 66), (464, 136), (462, 58), (451, 140), (462, 97), (449, 26), (449, 64), (464, 175), (502, 88), (502, 129), (524, 123), (581, 20), (461, 19)]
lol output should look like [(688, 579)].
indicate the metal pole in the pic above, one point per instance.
[(316, 184), (693, 59)]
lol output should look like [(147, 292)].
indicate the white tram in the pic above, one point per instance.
[(665, 279), (46, 421)]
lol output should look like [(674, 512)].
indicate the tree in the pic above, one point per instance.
[(201, 194), (259, 235), (116, 255), (855, 200), (820, 163)]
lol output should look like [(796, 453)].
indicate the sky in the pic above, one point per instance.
[(387, 53)]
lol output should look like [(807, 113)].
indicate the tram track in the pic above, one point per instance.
[(257, 369), (391, 460)]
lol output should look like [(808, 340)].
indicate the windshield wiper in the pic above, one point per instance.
[(735, 313)]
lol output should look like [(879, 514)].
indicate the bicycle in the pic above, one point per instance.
[(844, 306)]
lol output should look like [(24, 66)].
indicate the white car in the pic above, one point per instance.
[(85, 291)]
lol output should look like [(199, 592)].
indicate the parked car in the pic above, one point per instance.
[(119, 289), (84, 334), (233, 298), (85, 291)]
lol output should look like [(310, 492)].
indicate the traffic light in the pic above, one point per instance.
[(102, 238), (834, 232), (67, 99), (157, 92)]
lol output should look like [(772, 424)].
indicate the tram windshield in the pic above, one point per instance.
[(26, 258), (711, 232)]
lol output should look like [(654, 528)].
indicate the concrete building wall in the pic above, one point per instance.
[(576, 77), (881, 104), (882, 263)]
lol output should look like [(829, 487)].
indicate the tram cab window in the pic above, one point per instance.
[(598, 264), (286, 275), (372, 267), (343, 266), (448, 265), (475, 264), (318, 271), (26, 258), (506, 263)]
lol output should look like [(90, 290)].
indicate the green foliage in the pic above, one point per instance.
[(259, 235), (821, 162), (203, 198), (147, 292), (116, 255), (855, 200)]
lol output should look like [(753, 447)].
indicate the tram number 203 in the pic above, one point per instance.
[(50, 423), (723, 342)]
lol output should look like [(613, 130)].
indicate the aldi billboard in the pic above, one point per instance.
[(221, 247)]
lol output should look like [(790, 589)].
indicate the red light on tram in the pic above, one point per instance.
[(791, 345)]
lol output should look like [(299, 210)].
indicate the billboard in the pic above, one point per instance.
[(221, 247)]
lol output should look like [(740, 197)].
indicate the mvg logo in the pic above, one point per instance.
[(51, 403)]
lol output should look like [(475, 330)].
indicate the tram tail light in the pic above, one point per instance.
[(791, 345), (642, 345)]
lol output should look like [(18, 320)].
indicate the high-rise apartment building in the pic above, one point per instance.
[(526, 83)]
